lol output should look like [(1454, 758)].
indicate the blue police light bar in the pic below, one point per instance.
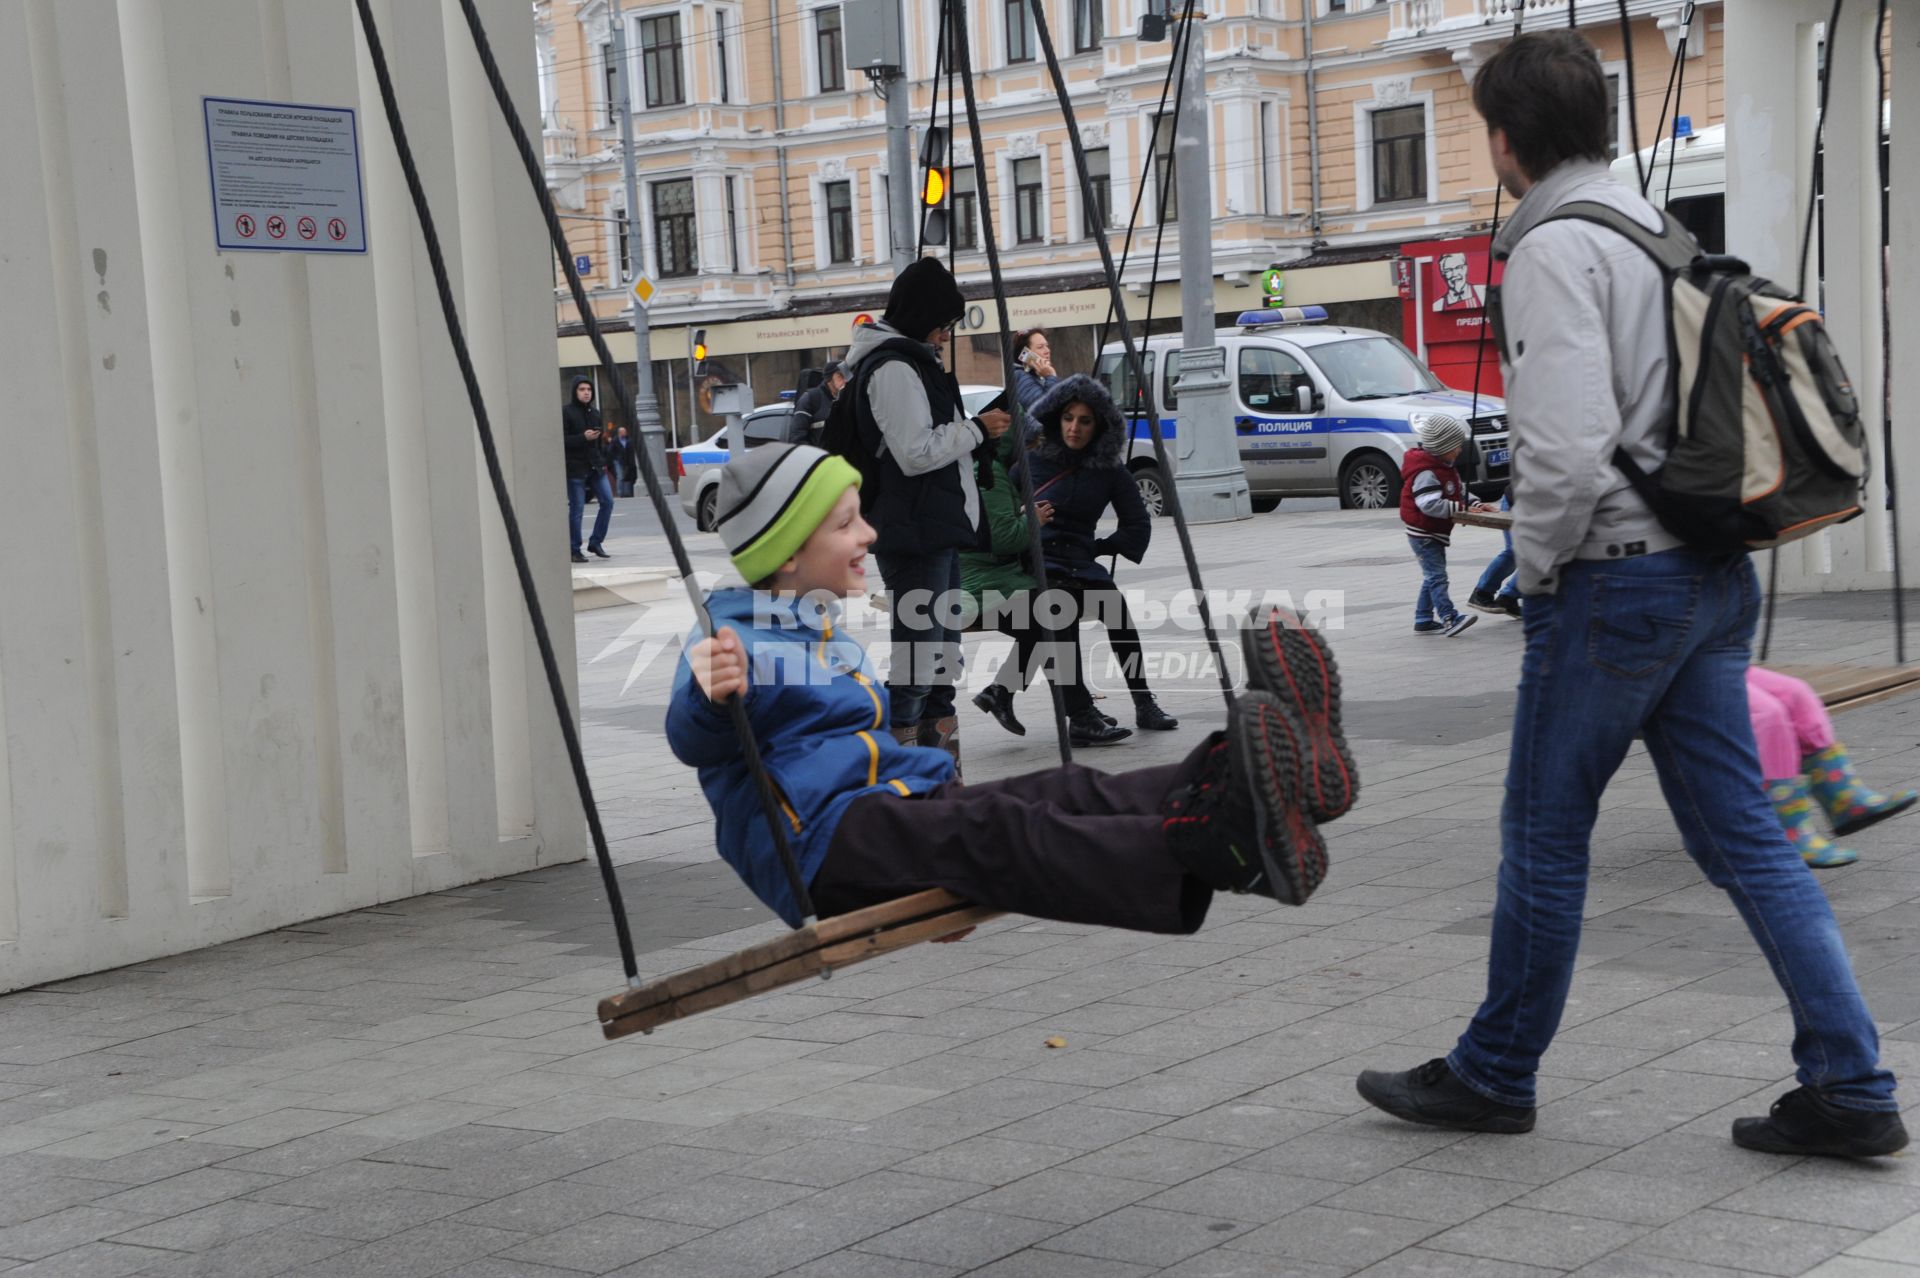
[(1283, 315), (788, 395)]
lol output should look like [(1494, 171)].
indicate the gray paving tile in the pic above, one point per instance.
[(1055, 1264), (1753, 1243), (379, 1213), (989, 1160), (962, 1237), (1520, 1235), (72, 1227), (1442, 1198), (1064, 1197), (1532, 1160), (428, 1250), (603, 1243), (716, 1201), (1623, 1196), (1804, 1193), (93, 1260), (1149, 1235), (855, 1264), (1326, 1236), (823, 1163), (1235, 1193), (187, 1191)]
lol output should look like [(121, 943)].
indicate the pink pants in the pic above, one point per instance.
[(1789, 722)]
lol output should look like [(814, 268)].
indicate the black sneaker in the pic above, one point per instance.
[(1148, 714), (1483, 601), (1805, 1122), (1242, 824), (997, 700), (1509, 604), (1428, 628), (1091, 728), (1296, 665), (1431, 1094), (1457, 623)]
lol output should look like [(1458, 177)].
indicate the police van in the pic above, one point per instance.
[(1320, 410)]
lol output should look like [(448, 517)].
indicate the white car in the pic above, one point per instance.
[(696, 468)]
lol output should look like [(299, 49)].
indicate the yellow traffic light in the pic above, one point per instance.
[(699, 350), (936, 190)]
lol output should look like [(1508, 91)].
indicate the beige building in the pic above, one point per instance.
[(1340, 131)]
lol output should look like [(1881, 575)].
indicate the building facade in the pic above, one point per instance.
[(1340, 129)]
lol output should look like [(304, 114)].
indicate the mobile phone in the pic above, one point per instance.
[(1026, 357)]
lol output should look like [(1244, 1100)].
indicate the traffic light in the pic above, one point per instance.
[(699, 351), (933, 189)]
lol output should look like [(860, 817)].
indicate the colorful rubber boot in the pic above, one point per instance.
[(1794, 806), (1851, 804)]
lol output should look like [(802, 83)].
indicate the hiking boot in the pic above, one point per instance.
[(1296, 665), (1091, 728), (1483, 601), (941, 734), (1459, 621), (997, 700), (1427, 628), (1241, 825), (1148, 714), (1851, 804), (1434, 1095), (1793, 806), (1509, 604), (1805, 1122)]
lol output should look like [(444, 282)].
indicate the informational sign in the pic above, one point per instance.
[(582, 264), (285, 176)]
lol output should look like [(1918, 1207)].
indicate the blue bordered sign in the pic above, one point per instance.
[(285, 176)]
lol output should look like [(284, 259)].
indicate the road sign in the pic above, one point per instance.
[(642, 289), (284, 165)]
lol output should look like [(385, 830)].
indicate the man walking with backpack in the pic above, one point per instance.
[(916, 449), (1628, 632)]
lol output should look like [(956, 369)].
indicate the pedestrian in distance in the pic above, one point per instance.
[(918, 449), (584, 432), (1035, 375), (625, 467), (816, 402), (1630, 632), (1431, 494), (1078, 463)]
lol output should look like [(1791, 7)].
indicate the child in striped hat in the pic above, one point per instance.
[(869, 819), (1431, 492)]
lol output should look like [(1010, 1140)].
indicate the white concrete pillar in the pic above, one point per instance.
[(1904, 280)]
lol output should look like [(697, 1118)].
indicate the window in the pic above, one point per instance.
[(733, 229), (1269, 380), (884, 213), (1400, 154), (660, 60), (1170, 391), (720, 53), (1100, 206), (1168, 199), (673, 232), (829, 50), (610, 82), (1020, 39), (1265, 146), (1115, 372), (622, 252), (965, 201), (839, 221), (1613, 114), (1089, 24), (1029, 207)]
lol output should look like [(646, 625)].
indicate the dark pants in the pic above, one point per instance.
[(1035, 645), (577, 506), (1103, 601), (1069, 843), (921, 590)]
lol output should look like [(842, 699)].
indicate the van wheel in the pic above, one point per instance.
[(1263, 504), (1368, 481), (1153, 489), (708, 507)]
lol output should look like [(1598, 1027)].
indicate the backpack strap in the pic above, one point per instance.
[(1672, 247)]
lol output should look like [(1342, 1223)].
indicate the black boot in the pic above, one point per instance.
[(1243, 818), (1805, 1122), (997, 700), (1091, 728), (1433, 1095), (1148, 714)]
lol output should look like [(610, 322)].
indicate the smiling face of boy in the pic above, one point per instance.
[(834, 557)]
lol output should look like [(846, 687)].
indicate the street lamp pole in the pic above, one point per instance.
[(648, 429)]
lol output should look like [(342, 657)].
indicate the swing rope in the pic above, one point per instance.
[(1883, 161), (515, 541), (1493, 231), (1078, 147)]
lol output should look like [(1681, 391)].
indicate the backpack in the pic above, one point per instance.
[(1766, 444), (842, 436)]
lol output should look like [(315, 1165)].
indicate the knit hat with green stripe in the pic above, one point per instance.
[(772, 499)]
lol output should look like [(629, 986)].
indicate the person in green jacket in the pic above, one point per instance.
[(1000, 583)]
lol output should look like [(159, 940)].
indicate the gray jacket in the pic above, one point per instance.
[(1586, 368), (899, 402)]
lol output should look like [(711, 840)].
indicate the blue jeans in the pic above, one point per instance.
[(1656, 646), (925, 653), (1433, 603), (577, 506), (1500, 569)]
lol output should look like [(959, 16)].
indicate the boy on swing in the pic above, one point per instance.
[(870, 819)]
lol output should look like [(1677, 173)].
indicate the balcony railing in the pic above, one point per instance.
[(1411, 16), (1496, 11), (563, 147)]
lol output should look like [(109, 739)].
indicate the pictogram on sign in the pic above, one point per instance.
[(336, 229), (308, 229), (280, 173), (276, 226), (244, 225)]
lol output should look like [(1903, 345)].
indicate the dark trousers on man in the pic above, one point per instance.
[(922, 591), (577, 506), (1069, 843), (1038, 646)]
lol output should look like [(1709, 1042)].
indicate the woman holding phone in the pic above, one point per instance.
[(1035, 376)]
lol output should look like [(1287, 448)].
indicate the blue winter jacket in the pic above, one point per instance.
[(819, 717)]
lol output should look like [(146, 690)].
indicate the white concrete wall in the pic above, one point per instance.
[(262, 653)]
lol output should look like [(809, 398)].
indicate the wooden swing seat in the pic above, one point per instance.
[(1848, 687), (815, 950)]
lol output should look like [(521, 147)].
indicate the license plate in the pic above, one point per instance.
[(1497, 456)]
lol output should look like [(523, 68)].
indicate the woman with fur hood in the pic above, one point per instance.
[(1079, 467)]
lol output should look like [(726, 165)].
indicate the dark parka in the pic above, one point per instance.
[(1082, 485), (583, 455)]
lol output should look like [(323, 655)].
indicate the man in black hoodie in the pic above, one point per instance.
[(585, 435), (924, 502)]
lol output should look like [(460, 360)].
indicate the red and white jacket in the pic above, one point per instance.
[(1430, 492)]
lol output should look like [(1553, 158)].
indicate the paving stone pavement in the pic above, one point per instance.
[(420, 1089)]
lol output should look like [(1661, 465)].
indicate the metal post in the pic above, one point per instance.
[(1208, 474), (648, 429), (902, 198)]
